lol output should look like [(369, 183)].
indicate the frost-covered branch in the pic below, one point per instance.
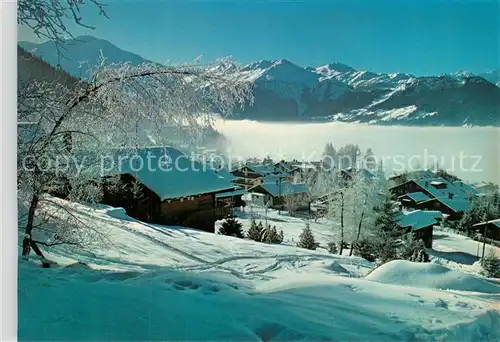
[(65, 130), (49, 19)]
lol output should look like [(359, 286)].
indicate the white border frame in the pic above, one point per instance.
[(8, 188)]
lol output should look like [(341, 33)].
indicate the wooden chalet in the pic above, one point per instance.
[(434, 194), (177, 192), (489, 229), (250, 175), (277, 194), (453, 207), (303, 171), (234, 198), (420, 223)]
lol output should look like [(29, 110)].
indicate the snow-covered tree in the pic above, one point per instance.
[(481, 209), (232, 227), (50, 19), (271, 235), (337, 211), (347, 156), (387, 234), (332, 248), (412, 249), (73, 126), (256, 231), (364, 248), (361, 198), (491, 265), (306, 239), (350, 204)]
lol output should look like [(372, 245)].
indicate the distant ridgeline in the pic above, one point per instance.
[(285, 91)]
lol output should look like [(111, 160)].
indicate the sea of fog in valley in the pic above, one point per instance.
[(472, 153)]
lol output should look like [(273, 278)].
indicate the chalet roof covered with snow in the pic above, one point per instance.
[(417, 196), (170, 173), (304, 166), (495, 222), (440, 187), (236, 192), (263, 169), (467, 189), (225, 174), (450, 194), (417, 219), (284, 188)]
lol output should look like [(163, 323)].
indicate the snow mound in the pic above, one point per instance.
[(428, 275)]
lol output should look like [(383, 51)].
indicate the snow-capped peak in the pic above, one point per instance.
[(334, 67)]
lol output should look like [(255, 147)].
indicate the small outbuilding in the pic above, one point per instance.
[(420, 223), (489, 229)]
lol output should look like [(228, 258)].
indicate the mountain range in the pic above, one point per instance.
[(285, 91)]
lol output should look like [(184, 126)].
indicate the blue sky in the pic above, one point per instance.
[(422, 37)]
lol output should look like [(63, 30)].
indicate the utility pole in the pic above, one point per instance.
[(484, 238), (266, 205), (280, 204), (485, 227), (279, 194), (478, 235)]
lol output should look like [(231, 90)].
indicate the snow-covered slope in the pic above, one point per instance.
[(151, 282)]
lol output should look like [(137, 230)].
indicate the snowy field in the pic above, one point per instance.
[(151, 282)]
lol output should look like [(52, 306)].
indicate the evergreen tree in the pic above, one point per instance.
[(307, 239), (495, 205), (232, 227), (476, 213), (332, 248), (365, 249), (412, 249), (491, 265), (256, 232), (385, 213), (271, 235), (387, 250), (388, 233)]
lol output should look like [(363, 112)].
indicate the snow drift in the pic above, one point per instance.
[(430, 275)]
